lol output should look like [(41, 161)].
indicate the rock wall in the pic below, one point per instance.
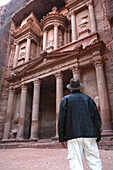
[(103, 13), (6, 13)]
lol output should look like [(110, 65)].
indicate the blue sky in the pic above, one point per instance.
[(4, 2)]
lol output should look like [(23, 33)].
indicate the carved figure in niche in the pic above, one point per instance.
[(97, 101), (84, 22), (33, 51), (51, 38), (13, 132), (60, 40), (22, 53), (16, 117)]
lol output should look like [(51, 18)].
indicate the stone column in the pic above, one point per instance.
[(103, 96), (16, 55), (44, 40), (73, 26), (28, 49), (76, 71), (69, 36), (92, 17), (35, 110), (56, 36), (7, 126), (65, 37), (59, 96), (38, 49), (20, 131)]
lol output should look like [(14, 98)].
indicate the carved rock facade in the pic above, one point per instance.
[(46, 49)]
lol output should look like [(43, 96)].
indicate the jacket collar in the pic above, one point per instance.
[(76, 91)]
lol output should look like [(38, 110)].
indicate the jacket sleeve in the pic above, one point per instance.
[(62, 121), (96, 118)]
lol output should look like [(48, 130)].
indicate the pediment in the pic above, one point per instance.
[(28, 27), (45, 59)]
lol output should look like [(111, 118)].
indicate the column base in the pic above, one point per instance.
[(55, 138), (5, 140), (20, 139), (34, 138)]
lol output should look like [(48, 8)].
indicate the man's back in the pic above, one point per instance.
[(80, 116)]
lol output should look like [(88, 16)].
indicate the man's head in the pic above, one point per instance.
[(75, 84)]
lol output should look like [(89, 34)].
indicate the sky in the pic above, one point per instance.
[(4, 2)]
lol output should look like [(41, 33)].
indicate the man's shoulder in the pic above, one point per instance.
[(65, 97)]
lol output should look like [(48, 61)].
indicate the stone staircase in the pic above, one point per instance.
[(47, 144), (42, 143)]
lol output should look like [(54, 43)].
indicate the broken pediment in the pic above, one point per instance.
[(27, 25)]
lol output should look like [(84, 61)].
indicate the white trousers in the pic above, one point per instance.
[(88, 147)]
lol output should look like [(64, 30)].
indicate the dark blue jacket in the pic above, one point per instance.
[(78, 117)]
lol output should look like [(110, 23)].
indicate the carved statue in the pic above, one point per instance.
[(13, 132), (97, 101), (16, 117), (84, 22), (50, 40), (54, 10), (60, 40)]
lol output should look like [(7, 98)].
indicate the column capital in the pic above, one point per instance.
[(24, 86), (59, 75), (44, 30), (29, 37), (11, 89), (89, 3), (97, 61), (75, 69), (16, 43), (66, 29), (72, 13), (56, 25), (37, 82)]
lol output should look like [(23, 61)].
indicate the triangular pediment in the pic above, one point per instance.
[(44, 60)]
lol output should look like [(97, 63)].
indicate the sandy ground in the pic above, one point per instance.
[(44, 159)]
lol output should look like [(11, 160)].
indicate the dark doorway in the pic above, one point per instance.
[(47, 115)]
